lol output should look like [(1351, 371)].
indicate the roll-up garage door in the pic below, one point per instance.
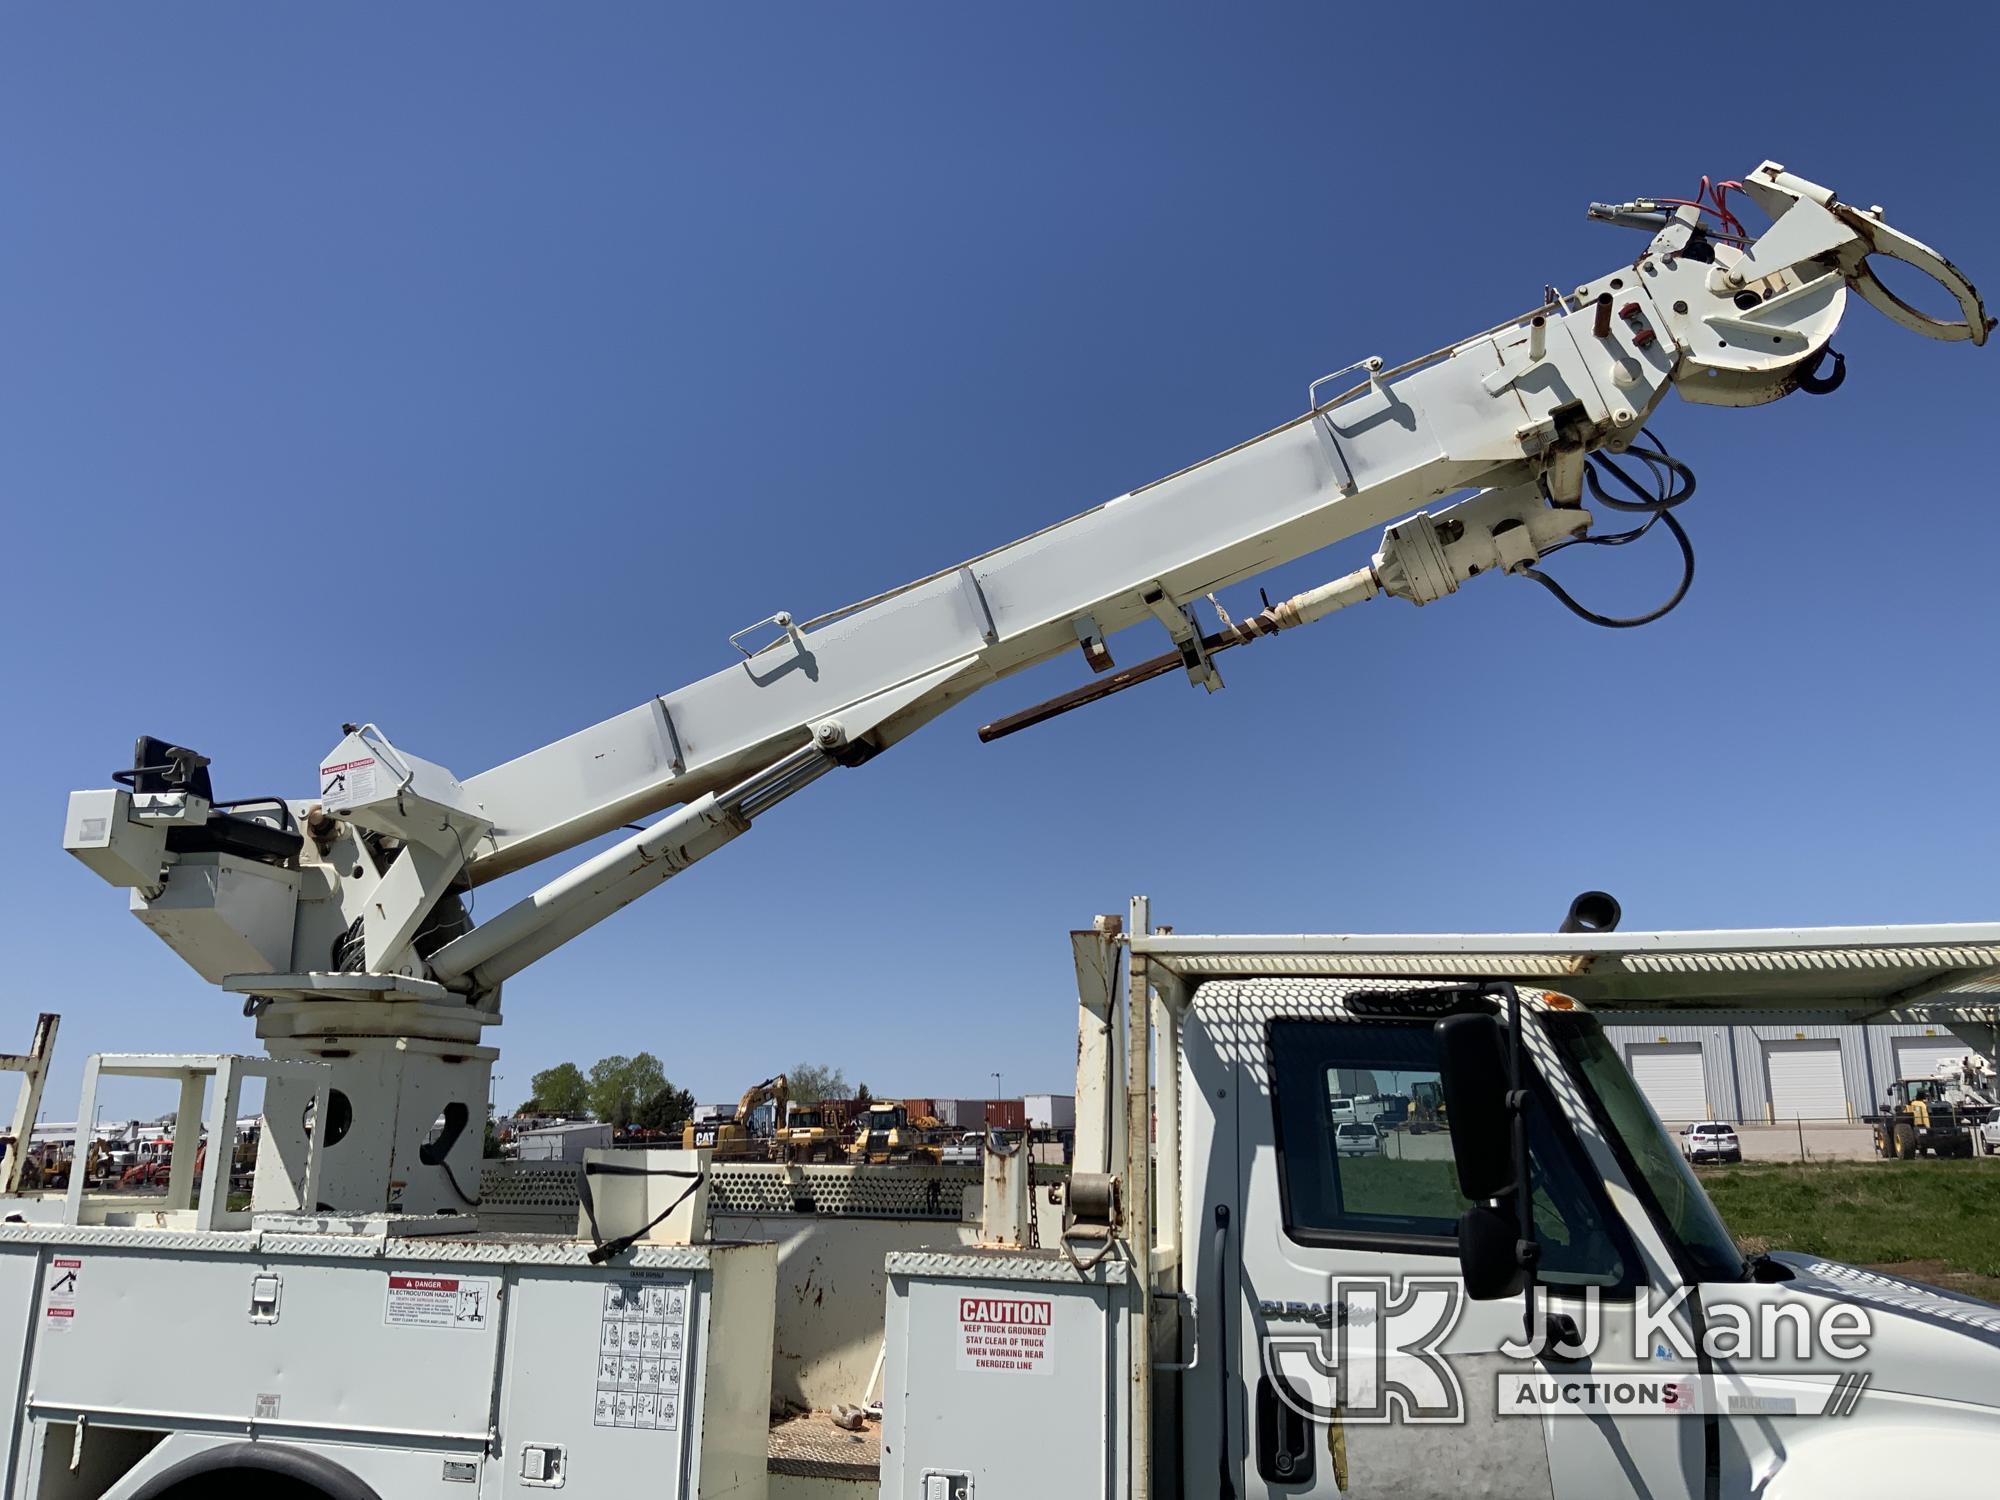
[(1670, 1075), (1806, 1080), (1922, 1056)]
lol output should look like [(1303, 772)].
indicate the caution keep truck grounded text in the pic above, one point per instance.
[(1004, 1334)]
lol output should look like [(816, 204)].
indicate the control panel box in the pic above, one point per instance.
[(507, 1366), (1004, 1376)]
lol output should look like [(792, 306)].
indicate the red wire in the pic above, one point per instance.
[(1725, 187), (1691, 203), (1728, 220)]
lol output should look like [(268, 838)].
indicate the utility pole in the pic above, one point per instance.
[(996, 1085)]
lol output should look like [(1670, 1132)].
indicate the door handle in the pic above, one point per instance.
[(1284, 1439)]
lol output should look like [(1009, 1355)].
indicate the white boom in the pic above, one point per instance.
[(339, 914)]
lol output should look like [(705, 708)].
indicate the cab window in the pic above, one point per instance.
[(1334, 1081)]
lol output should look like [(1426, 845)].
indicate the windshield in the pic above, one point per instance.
[(1681, 1209)]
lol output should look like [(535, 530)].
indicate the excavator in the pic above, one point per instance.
[(731, 1139)]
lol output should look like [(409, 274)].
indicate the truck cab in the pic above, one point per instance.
[(1316, 1274)]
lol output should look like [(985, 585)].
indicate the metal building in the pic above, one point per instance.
[(565, 1142), (1777, 1073)]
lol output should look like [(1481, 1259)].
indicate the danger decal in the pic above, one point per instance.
[(1008, 1335), (348, 780), (437, 1301), (65, 1277)]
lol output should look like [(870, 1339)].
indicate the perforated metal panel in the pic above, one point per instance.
[(1236, 1012), (529, 1197), (542, 1197), (879, 1192), (529, 1184)]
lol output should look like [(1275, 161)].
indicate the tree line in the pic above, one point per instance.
[(627, 1092)]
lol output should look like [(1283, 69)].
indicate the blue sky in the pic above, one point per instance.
[(478, 369)]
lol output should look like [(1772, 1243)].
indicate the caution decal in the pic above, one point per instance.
[(1005, 1335)]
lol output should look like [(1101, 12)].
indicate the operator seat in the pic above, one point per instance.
[(159, 767)]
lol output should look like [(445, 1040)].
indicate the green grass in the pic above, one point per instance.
[(1384, 1185), (1422, 1188), (1935, 1221), (1941, 1213)]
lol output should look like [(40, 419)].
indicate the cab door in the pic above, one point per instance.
[(1338, 1262)]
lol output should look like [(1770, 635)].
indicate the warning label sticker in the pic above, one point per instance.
[(437, 1301), (58, 1319), (64, 1274), (348, 781), (1005, 1334), (641, 1343)]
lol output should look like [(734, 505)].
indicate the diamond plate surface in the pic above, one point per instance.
[(488, 1249), (538, 1251), (811, 1447), (119, 1237), (1002, 1265)]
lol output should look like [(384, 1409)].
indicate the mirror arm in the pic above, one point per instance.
[(1527, 1253)]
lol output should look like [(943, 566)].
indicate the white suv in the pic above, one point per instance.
[(1711, 1140), (1357, 1140)]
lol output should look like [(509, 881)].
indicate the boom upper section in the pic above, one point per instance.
[(366, 880)]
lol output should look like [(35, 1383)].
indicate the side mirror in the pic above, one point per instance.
[(1489, 1254), (1489, 1146), (1475, 1078)]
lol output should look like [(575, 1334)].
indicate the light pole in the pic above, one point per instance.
[(493, 1083), (996, 1085)]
